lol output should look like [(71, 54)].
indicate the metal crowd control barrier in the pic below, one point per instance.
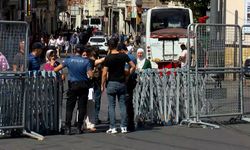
[(211, 86), (218, 58), (246, 71), (13, 35), (43, 102), (30, 102), (11, 102), (27, 103), (161, 96)]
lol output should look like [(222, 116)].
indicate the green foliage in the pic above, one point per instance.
[(199, 7)]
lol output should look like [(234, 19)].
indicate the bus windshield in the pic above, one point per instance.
[(169, 18), (95, 21)]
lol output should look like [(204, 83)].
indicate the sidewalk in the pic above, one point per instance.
[(229, 137)]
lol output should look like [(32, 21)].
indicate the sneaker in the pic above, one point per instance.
[(124, 129), (111, 131)]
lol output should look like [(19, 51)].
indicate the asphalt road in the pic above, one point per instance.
[(230, 137), (227, 137)]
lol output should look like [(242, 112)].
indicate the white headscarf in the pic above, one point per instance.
[(48, 54), (140, 61), (140, 50)]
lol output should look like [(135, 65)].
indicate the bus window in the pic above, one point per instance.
[(169, 18)]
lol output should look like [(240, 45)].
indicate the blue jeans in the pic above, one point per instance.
[(97, 98), (117, 89)]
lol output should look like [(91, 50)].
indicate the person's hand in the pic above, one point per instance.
[(52, 62), (102, 88), (63, 77)]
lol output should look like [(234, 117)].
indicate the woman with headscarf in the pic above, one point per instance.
[(142, 63), (51, 62)]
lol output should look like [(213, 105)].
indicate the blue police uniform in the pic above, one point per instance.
[(78, 87), (34, 63)]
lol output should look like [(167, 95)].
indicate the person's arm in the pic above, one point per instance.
[(15, 67), (132, 67), (90, 73), (58, 68), (99, 61), (104, 77)]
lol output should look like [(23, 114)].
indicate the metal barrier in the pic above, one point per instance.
[(210, 87), (161, 96), (246, 72), (43, 102), (28, 102), (12, 35), (218, 58), (11, 102), (31, 102)]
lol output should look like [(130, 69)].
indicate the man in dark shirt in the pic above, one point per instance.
[(19, 58), (80, 71), (131, 83), (34, 59), (116, 87)]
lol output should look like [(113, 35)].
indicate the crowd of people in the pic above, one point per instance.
[(88, 75)]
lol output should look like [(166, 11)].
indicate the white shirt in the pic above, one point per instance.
[(60, 42), (184, 55), (52, 42)]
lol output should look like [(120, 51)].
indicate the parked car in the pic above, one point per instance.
[(100, 41)]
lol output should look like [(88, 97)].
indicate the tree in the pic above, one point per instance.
[(199, 7)]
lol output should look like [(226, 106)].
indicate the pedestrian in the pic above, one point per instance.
[(97, 77), (114, 75), (34, 57), (80, 72), (4, 65), (59, 45), (183, 56), (131, 83), (67, 45), (51, 62), (92, 117), (142, 62), (52, 42), (19, 59), (73, 41)]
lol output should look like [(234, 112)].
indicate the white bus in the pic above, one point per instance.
[(96, 23), (166, 25)]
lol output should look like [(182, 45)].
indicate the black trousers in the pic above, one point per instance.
[(129, 103), (76, 94)]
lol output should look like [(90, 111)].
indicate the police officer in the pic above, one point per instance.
[(79, 72)]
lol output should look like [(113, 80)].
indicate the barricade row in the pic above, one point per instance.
[(170, 96), (31, 102), (43, 102), (161, 96)]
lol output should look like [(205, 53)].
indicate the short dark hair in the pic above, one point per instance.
[(80, 48), (113, 42), (121, 46), (37, 45), (183, 46)]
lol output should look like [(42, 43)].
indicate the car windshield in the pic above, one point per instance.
[(98, 40)]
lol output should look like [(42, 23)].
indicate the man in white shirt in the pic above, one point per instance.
[(60, 44), (183, 56)]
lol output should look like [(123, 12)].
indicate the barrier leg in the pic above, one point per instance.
[(33, 135), (244, 118)]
